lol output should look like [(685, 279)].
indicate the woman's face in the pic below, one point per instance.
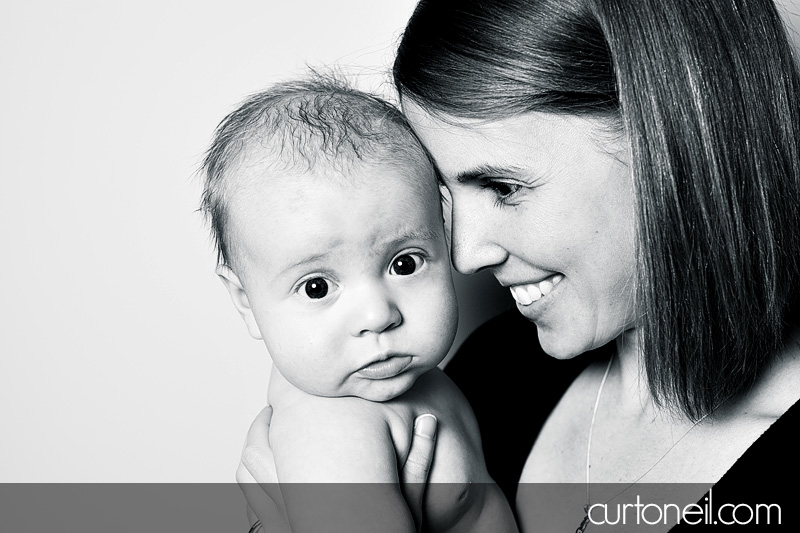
[(546, 202)]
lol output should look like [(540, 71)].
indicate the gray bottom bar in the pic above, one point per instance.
[(200, 508)]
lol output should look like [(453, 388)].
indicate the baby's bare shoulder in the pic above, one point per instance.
[(332, 440), (316, 414), (458, 447)]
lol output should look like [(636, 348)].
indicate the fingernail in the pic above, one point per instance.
[(425, 426)]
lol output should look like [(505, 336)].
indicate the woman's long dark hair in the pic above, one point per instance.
[(708, 94)]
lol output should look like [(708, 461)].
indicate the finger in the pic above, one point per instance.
[(258, 434), (255, 523), (414, 474), (264, 506), (259, 502), (258, 478), (257, 457), (259, 463), (251, 516), (420, 456)]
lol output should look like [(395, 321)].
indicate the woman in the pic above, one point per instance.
[(631, 171)]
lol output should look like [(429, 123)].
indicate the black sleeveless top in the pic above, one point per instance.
[(512, 386)]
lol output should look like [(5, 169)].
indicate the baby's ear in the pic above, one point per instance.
[(240, 301)]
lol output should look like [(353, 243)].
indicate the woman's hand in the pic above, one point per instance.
[(258, 478), (414, 475)]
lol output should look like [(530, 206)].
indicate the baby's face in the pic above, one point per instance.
[(348, 280)]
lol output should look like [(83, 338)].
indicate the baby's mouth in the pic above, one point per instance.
[(386, 368), (531, 292)]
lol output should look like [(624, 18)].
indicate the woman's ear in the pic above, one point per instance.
[(240, 301)]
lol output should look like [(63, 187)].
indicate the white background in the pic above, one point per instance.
[(121, 356)]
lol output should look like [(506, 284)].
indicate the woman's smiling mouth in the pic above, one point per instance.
[(528, 293)]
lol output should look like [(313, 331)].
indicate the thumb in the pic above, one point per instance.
[(414, 474)]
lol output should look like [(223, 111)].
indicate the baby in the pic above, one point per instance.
[(328, 224)]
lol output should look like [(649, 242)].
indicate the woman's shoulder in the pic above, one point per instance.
[(777, 400), (759, 486), (763, 474)]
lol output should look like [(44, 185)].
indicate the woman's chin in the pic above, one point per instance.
[(561, 346)]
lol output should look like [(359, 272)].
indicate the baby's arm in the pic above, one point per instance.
[(337, 467), (491, 512)]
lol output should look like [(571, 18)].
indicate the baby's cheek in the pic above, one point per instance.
[(441, 310), (299, 353), (448, 307)]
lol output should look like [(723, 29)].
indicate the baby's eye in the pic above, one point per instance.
[(404, 265), (316, 288)]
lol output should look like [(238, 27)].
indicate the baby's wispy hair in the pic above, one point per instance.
[(296, 126)]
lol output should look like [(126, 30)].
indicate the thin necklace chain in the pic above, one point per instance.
[(591, 430)]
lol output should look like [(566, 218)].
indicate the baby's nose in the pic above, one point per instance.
[(375, 312)]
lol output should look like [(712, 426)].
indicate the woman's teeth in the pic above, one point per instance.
[(527, 294)]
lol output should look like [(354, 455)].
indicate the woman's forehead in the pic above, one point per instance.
[(463, 146)]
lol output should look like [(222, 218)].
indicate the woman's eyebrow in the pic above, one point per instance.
[(484, 171)]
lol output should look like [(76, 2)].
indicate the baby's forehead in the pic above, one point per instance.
[(271, 201), (265, 169), (267, 199)]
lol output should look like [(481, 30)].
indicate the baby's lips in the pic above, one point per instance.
[(386, 368)]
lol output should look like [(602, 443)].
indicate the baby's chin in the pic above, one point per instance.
[(373, 390), (384, 390)]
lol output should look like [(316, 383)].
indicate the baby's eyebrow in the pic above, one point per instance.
[(400, 237), (306, 259), (380, 245)]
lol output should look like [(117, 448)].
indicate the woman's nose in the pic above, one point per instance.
[(375, 311), (473, 244)]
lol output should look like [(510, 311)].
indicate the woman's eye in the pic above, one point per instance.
[(404, 265), (316, 288), (502, 190)]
